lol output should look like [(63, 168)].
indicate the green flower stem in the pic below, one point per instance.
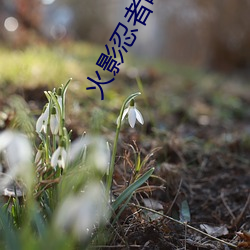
[(112, 164), (65, 87), (66, 137), (54, 142), (47, 138)]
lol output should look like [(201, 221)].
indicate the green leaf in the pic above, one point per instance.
[(122, 209), (39, 222), (65, 87), (185, 212), (138, 163), (128, 191), (10, 236)]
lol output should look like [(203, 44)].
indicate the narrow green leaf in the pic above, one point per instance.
[(128, 191), (39, 222), (138, 163), (65, 87), (122, 209), (10, 236)]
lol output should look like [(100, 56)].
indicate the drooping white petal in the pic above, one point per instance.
[(101, 154), (46, 113), (77, 148), (44, 127), (139, 116), (38, 156), (98, 152), (39, 123), (61, 163), (63, 158), (59, 158), (125, 112), (132, 117), (55, 156), (123, 116), (54, 124)]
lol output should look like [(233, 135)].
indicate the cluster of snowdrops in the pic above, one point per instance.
[(66, 186)]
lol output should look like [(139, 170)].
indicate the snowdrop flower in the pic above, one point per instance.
[(54, 121), (59, 157), (133, 114), (42, 122), (17, 152), (39, 154), (98, 152), (79, 214)]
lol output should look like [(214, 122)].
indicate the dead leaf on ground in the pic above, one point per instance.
[(245, 236), (215, 231)]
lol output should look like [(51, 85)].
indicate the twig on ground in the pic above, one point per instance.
[(116, 246), (173, 202), (184, 224), (227, 207), (239, 217)]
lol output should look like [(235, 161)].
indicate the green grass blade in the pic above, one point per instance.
[(128, 191)]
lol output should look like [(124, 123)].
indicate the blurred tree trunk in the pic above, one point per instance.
[(28, 13), (229, 34), (214, 33), (91, 19)]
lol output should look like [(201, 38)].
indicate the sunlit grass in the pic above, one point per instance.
[(48, 65), (180, 85)]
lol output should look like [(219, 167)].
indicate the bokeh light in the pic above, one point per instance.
[(58, 31), (11, 24), (47, 2)]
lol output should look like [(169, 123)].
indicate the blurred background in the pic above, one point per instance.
[(191, 53), (193, 60), (212, 34)]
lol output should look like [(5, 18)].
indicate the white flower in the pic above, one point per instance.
[(79, 214), (17, 152), (59, 158), (39, 155), (54, 121), (133, 114), (98, 152), (42, 122)]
